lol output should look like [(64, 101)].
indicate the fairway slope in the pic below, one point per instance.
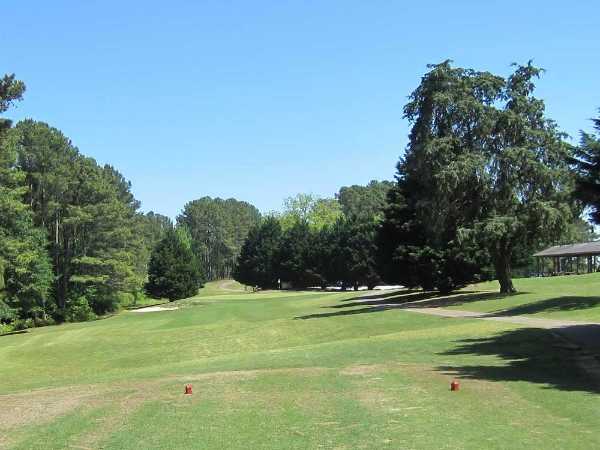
[(264, 378)]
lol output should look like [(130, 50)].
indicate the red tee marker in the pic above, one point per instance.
[(455, 385), (188, 389)]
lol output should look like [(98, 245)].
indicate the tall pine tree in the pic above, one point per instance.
[(25, 272)]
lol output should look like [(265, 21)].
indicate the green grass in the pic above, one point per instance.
[(573, 297), (294, 370)]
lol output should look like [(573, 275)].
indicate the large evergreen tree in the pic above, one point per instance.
[(528, 184), (484, 169), (419, 242), (587, 167), (173, 271), (257, 264), (354, 253), (298, 256)]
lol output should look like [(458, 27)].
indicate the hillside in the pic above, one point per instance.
[(300, 370)]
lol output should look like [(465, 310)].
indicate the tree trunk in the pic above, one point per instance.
[(503, 274)]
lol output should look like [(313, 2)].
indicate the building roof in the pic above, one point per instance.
[(582, 249)]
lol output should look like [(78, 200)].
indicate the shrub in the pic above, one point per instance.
[(79, 310)]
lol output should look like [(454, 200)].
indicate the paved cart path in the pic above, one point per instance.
[(583, 333), (586, 334)]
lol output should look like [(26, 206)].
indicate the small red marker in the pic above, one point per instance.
[(188, 389), (455, 385)]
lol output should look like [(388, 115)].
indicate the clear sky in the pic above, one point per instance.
[(262, 100)]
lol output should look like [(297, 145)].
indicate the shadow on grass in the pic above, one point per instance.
[(565, 303), (385, 294), (389, 298), (460, 298), (403, 299), (532, 355), (10, 333), (406, 299)]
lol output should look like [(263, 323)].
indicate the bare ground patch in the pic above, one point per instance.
[(42, 406), (249, 374), (363, 369), (126, 406)]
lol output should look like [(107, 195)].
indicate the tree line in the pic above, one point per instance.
[(486, 179), (73, 243), (218, 229), (317, 241)]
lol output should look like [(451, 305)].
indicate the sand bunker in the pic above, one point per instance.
[(154, 309)]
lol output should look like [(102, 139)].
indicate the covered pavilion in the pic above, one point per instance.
[(567, 259)]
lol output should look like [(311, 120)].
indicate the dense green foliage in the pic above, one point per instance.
[(72, 241), (173, 271), (587, 167), (351, 256), (364, 202), (25, 271), (218, 228), (297, 256), (90, 216), (306, 208), (314, 244), (485, 175), (257, 264)]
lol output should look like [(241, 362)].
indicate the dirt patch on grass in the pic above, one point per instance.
[(40, 407), (126, 406), (230, 388), (44, 405), (122, 400), (363, 369), (249, 374)]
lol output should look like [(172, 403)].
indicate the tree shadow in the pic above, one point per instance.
[(403, 299), (460, 298), (385, 294), (346, 312), (533, 355), (407, 299), (397, 298), (566, 303)]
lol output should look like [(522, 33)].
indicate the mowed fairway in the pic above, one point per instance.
[(293, 370)]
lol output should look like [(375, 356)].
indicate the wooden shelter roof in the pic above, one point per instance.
[(582, 249)]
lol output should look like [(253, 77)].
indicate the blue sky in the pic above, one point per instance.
[(262, 100)]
